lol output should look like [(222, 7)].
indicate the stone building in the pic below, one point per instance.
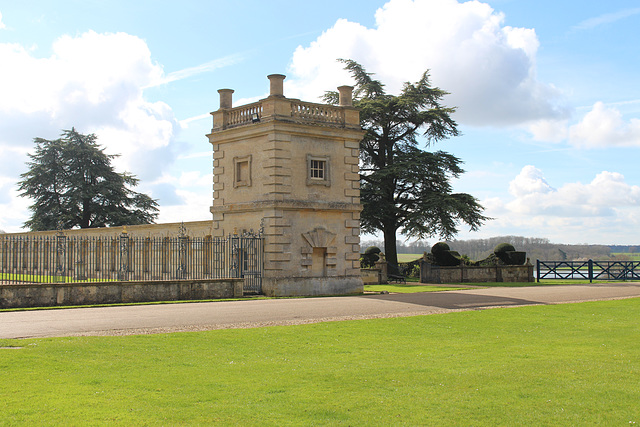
[(291, 168), (287, 168)]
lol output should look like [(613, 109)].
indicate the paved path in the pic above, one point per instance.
[(239, 314)]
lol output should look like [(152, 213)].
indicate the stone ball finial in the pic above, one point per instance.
[(276, 84)]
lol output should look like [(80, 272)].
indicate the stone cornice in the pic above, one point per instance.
[(287, 205)]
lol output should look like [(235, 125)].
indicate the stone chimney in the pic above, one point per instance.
[(346, 96), (226, 98), (276, 84)]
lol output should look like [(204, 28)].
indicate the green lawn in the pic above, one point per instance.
[(573, 364), (33, 278), (39, 278), (408, 288)]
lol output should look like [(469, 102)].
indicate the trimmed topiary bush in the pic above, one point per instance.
[(504, 247), (372, 250), (444, 256), (439, 247), (370, 256), (448, 258)]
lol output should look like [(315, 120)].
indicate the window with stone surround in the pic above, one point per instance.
[(318, 171), (242, 171)]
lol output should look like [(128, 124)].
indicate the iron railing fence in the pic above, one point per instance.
[(588, 270), (35, 259)]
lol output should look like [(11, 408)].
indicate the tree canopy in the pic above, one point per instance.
[(73, 184), (403, 186)]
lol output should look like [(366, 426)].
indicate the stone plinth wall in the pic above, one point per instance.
[(376, 275), (370, 276), (311, 286), (65, 294), (430, 273)]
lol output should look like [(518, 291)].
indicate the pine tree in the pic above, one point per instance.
[(73, 184), (404, 187)]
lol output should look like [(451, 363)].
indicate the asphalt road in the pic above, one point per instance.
[(162, 318)]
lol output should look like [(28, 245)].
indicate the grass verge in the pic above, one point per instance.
[(408, 288), (573, 364)]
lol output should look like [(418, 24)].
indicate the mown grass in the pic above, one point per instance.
[(574, 364), (408, 288), (41, 278)]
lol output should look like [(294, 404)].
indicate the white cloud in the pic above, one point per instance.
[(198, 69), (604, 127), (529, 181), (15, 209), (607, 18), (93, 82), (177, 213), (489, 68), (607, 207), (608, 191), (549, 130)]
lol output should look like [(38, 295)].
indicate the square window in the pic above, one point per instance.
[(318, 170)]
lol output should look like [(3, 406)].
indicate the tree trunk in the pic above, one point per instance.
[(390, 250), (86, 214)]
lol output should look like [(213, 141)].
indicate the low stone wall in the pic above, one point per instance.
[(376, 275), (311, 286), (87, 293), (430, 273), (370, 276)]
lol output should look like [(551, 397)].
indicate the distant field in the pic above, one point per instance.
[(626, 255), (408, 257)]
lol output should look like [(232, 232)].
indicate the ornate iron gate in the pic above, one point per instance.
[(247, 256)]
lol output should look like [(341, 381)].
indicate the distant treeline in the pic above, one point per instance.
[(536, 248)]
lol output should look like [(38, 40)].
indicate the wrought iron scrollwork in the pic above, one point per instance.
[(124, 255), (61, 251), (183, 243)]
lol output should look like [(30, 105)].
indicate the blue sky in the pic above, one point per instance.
[(547, 93)]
